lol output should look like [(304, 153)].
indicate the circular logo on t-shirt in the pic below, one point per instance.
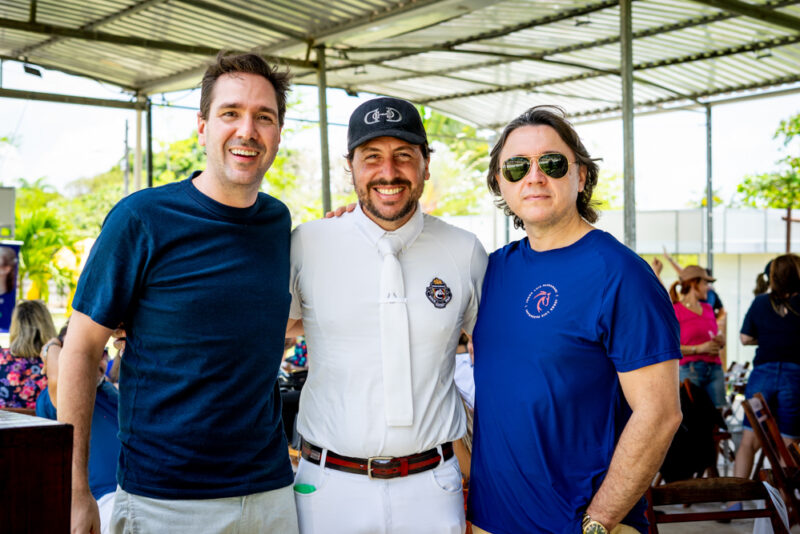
[(541, 301)]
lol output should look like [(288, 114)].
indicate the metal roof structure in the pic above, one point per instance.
[(483, 61)]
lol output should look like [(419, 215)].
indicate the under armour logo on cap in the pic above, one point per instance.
[(385, 117), (390, 115)]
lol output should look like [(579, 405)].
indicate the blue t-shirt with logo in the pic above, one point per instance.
[(203, 291), (104, 445), (549, 412)]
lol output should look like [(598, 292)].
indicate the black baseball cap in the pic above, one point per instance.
[(385, 117)]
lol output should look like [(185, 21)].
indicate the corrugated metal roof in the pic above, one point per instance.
[(481, 60)]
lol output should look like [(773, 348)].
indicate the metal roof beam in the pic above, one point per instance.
[(130, 10), (371, 18), (69, 99), (91, 35), (103, 37), (238, 15), (749, 47), (591, 8), (757, 12), (649, 32), (696, 97), (73, 72)]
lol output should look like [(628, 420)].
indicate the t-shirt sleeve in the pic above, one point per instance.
[(749, 327), (295, 260), (477, 270), (115, 269), (637, 320), (717, 305), (44, 406)]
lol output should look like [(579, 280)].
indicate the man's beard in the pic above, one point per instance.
[(368, 206)]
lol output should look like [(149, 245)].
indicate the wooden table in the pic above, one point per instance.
[(35, 474)]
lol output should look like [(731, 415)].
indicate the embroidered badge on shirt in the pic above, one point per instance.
[(541, 301), (438, 293)]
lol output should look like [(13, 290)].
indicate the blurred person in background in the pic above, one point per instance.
[(8, 283), (762, 281), (712, 298), (773, 324), (21, 375), (701, 341), (104, 446)]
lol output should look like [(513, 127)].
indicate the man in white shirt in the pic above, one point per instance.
[(382, 295)]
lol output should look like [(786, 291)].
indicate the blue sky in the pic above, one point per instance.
[(63, 142)]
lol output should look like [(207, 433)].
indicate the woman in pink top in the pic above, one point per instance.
[(700, 338)]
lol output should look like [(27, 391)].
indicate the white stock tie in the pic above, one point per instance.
[(399, 408)]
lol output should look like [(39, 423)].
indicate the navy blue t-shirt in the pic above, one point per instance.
[(104, 445), (203, 291), (554, 328), (778, 337)]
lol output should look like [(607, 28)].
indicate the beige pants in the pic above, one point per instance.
[(619, 529)]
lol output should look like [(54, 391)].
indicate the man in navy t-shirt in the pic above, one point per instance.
[(570, 431), (198, 272)]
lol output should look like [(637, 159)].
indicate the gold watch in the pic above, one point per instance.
[(590, 526)]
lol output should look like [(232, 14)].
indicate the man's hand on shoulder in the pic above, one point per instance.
[(341, 210)]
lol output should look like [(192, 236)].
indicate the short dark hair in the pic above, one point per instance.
[(555, 117), (226, 63)]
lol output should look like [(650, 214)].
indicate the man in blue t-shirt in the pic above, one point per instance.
[(569, 431), (198, 272)]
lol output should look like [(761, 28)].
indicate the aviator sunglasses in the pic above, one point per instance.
[(553, 164)]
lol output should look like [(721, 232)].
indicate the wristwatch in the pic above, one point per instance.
[(590, 526), (49, 344)]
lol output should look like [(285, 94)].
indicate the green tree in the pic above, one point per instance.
[(42, 234), (608, 193), (458, 168), (702, 202), (779, 188)]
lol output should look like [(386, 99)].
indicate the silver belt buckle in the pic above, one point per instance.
[(374, 458)]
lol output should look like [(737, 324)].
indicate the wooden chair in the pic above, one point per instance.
[(783, 465), (794, 449), (709, 490)]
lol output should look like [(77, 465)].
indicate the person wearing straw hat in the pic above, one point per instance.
[(701, 341)]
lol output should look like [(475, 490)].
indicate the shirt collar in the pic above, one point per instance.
[(408, 233)]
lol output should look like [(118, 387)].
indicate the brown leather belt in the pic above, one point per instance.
[(379, 466)]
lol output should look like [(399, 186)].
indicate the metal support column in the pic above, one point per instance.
[(322, 86), (626, 72), (149, 143), (137, 150), (126, 164), (709, 195)]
